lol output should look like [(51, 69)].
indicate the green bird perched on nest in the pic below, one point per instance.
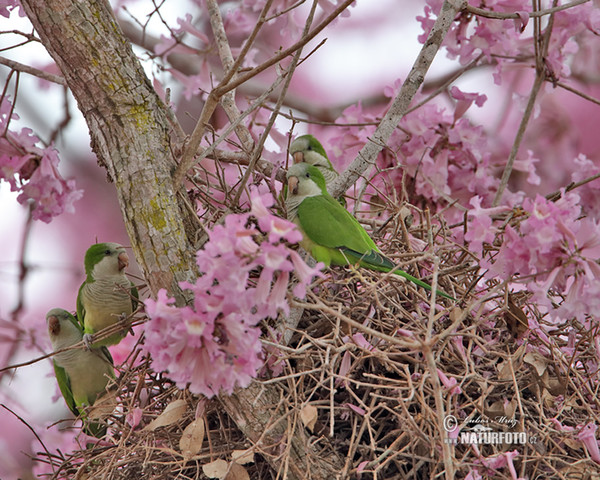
[(330, 233), (106, 295), (82, 375)]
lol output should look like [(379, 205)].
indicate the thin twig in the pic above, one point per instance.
[(540, 77), (21, 67), (507, 16)]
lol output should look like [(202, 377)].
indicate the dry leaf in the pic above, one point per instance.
[(243, 457), (217, 469), (172, 413), (516, 319), (237, 472), (539, 362), (103, 406), (510, 365), (505, 370), (572, 443), (308, 415), (191, 439)]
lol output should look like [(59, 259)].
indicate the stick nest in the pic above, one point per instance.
[(377, 382)]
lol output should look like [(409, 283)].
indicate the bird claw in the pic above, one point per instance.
[(123, 320), (87, 340)]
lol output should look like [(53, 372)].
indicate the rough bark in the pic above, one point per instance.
[(133, 138), (129, 128)]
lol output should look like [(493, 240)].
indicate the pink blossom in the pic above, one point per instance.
[(587, 436), (356, 409), (304, 273), (500, 461), (449, 383), (589, 192), (213, 345), (362, 342), (345, 366), (465, 100), (522, 21), (480, 224), (279, 228), (134, 417), (560, 427), (33, 171)]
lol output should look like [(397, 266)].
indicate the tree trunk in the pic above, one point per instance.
[(130, 131)]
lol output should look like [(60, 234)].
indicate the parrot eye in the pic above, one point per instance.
[(107, 252)]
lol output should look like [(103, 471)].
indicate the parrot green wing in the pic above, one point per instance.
[(80, 308), (136, 296), (330, 225), (337, 237), (64, 384)]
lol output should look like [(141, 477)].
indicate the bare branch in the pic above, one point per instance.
[(33, 71), (366, 157), (508, 16)]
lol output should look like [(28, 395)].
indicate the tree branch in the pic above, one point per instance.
[(367, 156)]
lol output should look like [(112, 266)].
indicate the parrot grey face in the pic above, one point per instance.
[(297, 149), (61, 329), (53, 325), (300, 181), (113, 261), (307, 149)]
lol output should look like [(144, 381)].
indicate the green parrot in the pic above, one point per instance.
[(308, 149), (82, 375), (104, 297), (330, 233)]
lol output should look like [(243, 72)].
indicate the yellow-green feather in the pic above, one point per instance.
[(333, 236)]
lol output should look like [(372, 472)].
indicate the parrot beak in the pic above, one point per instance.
[(293, 185), (53, 325), (298, 157), (123, 260)]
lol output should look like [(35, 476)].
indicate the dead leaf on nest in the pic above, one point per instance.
[(104, 405), (507, 368), (192, 438), (243, 457), (572, 443), (173, 412), (216, 469), (309, 415), (539, 362), (516, 319), (237, 472)]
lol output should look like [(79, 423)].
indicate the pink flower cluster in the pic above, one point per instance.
[(438, 154), (214, 345), (33, 171), (505, 40), (554, 249), (7, 6)]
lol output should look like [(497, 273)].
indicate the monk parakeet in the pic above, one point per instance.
[(308, 149), (104, 297), (82, 375), (330, 233)]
